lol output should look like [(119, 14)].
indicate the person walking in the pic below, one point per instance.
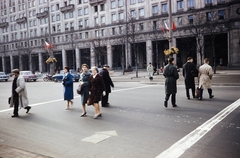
[(84, 83), (96, 90), (19, 93), (189, 72), (108, 84), (171, 75), (68, 87), (205, 76), (150, 71)]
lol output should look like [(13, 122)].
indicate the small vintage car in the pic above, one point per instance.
[(28, 76), (59, 77), (3, 76)]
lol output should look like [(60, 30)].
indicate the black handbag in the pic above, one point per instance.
[(79, 89), (9, 100)]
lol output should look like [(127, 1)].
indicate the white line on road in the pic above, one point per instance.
[(57, 100), (177, 149)]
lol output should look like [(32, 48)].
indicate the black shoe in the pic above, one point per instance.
[(83, 114), (188, 98), (15, 116), (28, 109), (96, 116), (211, 96), (165, 103), (200, 98), (174, 106)]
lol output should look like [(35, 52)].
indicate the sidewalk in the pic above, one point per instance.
[(221, 78), (10, 152)]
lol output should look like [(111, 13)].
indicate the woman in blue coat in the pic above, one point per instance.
[(68, 87)]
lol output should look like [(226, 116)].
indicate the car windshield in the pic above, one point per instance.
[(26, 73), (2, 73), (73, 72), (62, 72)]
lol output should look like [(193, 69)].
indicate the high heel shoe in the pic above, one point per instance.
[(83, 114), (96, 116)]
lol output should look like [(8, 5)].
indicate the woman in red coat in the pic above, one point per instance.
[(96, 89)]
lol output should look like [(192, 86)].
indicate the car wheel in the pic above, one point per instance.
[(34, 80), (45, 79), (6, 80), (55, 80), (76, 80)]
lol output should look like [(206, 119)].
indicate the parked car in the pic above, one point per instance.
[(28, 76), (59, 77), (3, 76)]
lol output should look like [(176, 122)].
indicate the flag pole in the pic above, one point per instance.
[(170, 23)]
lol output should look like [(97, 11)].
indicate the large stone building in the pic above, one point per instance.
[(117, 32)]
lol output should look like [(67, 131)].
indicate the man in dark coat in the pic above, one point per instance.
[(107, 82), (171, 75), (189, 72)]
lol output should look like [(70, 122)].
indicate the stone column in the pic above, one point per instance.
[(3, 63), (92, 56), (64, 58), (109, 56), (78, 59), (128, 55), (149, 52), (11, 62), (40, 62), (20, 63)]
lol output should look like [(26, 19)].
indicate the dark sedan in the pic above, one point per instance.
[(59, 76), (3, 76)]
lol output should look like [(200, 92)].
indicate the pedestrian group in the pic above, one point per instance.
[(190, 71), (95, 86)]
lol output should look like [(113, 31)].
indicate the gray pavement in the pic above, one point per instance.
[(222, 78)]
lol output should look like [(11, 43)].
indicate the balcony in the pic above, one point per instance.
[(95, 2), (42, 15), (4, 25), (68, 8), (21, 20)]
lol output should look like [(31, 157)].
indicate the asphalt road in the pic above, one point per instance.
[(136, 125)]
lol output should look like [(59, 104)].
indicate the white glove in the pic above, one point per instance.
[(104, 93)]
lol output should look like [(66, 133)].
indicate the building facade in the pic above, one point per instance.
[(119, 33)]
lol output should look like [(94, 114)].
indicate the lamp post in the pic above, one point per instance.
[(170, 23)]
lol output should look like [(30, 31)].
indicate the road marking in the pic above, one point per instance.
[(100, 136), (57, 100), (177, 149)]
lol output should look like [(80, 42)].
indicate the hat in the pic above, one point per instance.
[(189, 58), (15, 71), (106, 66)]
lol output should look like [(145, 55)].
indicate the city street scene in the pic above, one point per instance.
[(119, 78)]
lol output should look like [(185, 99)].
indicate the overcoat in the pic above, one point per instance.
[(68, 87), (150, 71), (107, 80), (171, 75), (205, 76), (96, 88), (22, 93), (84, 77), (189, 69)]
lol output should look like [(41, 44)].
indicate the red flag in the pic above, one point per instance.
[(174, 28), (46, 45)]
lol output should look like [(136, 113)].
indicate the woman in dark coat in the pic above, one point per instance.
[(171, 75), (68, 87), (108, 84), (84, 82), (189, 72), (97, 89)]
